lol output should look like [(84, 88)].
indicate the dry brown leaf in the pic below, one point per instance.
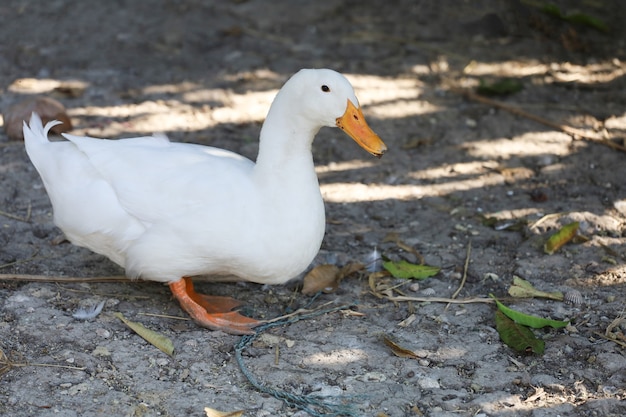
[(326, 278), (47, 108), (210, 412), (323, 278), (399, 350), (352, 313), (351, 268), (158, 340), (377, 287)]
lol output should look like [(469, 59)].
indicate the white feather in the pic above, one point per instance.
[(89, 313)]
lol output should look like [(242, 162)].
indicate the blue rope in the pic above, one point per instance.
[(312, 404)]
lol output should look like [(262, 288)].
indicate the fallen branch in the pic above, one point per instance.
[(572, 131)]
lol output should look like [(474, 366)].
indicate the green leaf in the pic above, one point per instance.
[(577, 18), (553, 10), (516, 336), (560, 238), (502, 87), (586, 20), (156, 339), (524, 289), (527, 319), (407, 270)]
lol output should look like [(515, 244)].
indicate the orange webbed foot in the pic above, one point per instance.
[(212, 312)]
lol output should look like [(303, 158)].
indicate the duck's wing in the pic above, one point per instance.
[(156, 179)]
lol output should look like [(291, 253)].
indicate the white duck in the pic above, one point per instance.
[(167, 211)]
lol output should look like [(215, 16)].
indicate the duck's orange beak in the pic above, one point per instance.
[(353, 123)]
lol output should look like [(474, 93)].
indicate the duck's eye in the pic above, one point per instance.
[(325, 88)]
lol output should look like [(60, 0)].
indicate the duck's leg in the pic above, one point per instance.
[(211, 303), (212, 312)]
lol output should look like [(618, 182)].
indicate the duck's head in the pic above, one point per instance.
[(328, 98)]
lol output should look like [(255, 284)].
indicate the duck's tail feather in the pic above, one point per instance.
[(35, 132)]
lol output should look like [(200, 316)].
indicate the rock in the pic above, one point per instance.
[(47, 108)]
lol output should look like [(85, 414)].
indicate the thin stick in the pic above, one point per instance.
[(46, 278), (618, 320), (7, 364), (46, 365), (21, 261), (572, 131), (442, 300), (297, 313), (619, 342), (165, 316), (467, 259), (24, 219)]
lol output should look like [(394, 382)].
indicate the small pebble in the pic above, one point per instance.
[(101, 351), (104, 333), (429, 383), (191, 343), (491, 276)]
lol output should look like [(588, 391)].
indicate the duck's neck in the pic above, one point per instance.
[(285, 143)]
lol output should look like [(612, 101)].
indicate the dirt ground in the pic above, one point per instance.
[(206, 72)]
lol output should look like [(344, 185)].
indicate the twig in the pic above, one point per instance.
[(7, 364), (467, 259), (46, 365), (298, 312), (616, 322), (24, 219), (572, 131), (46, 278), (21, 261), (165, 316), (441, 299), (619, 342), (103, 294)]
